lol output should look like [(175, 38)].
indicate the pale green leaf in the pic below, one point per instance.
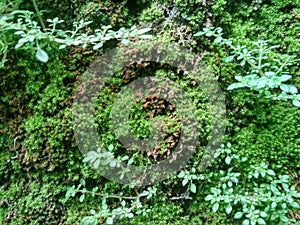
[(184, 182), (181, 174), (229, 58), (97, 46), (110, 147), (200, 33), (228, 160), (41, 55), (261, 221), (129, 215), (62, 46), (228, 209), (96, 164), (238, 215), (144, 30), (234, 86), (270, 73), (261, 83), (284, 78), (21, 42), (125, 41), (246, 222), (208, 197), (295, 205), (109, 220), (296, 103), (81, 199), (218, 39), (288, 88), (193, 188), (215, 207), (271, 172), (145, 36), (263, 214)]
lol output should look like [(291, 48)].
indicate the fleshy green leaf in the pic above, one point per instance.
[(238, 78), (218, 39), (271, 172), (21, 42), (234, 86), (215, 207), (263, 214), (295, 205), (90, 156), (125, 41), (109, 220), (296, 103), (62, 46), (228, 209), (209, 33), (273, 205), (229, 58), (261, 83), (129, 215), (284, 218), (288, 88), (184, 182), (96, 164), (246, 222), (145, 36), (284, 78), (238, 215), (200, 33), (270, 73), (82, 198), (144, 30), (99, 45), (82, 182), (41, 55), (228, 160), (261, 221), (244, 159), (110, 147), (208, 197), (193, 188), (181, 174)]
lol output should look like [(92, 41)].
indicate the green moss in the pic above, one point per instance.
[(271, 135), (33, 184)]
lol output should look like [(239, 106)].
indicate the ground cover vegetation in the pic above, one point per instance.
[(251, 47)]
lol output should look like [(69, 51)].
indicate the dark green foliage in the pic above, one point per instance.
[(162, 213), (252, 20), (106, 13), (271, 133), (40, 158)]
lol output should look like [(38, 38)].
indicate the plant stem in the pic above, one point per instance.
[(38, 14), (281, 67), (260, 57)]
